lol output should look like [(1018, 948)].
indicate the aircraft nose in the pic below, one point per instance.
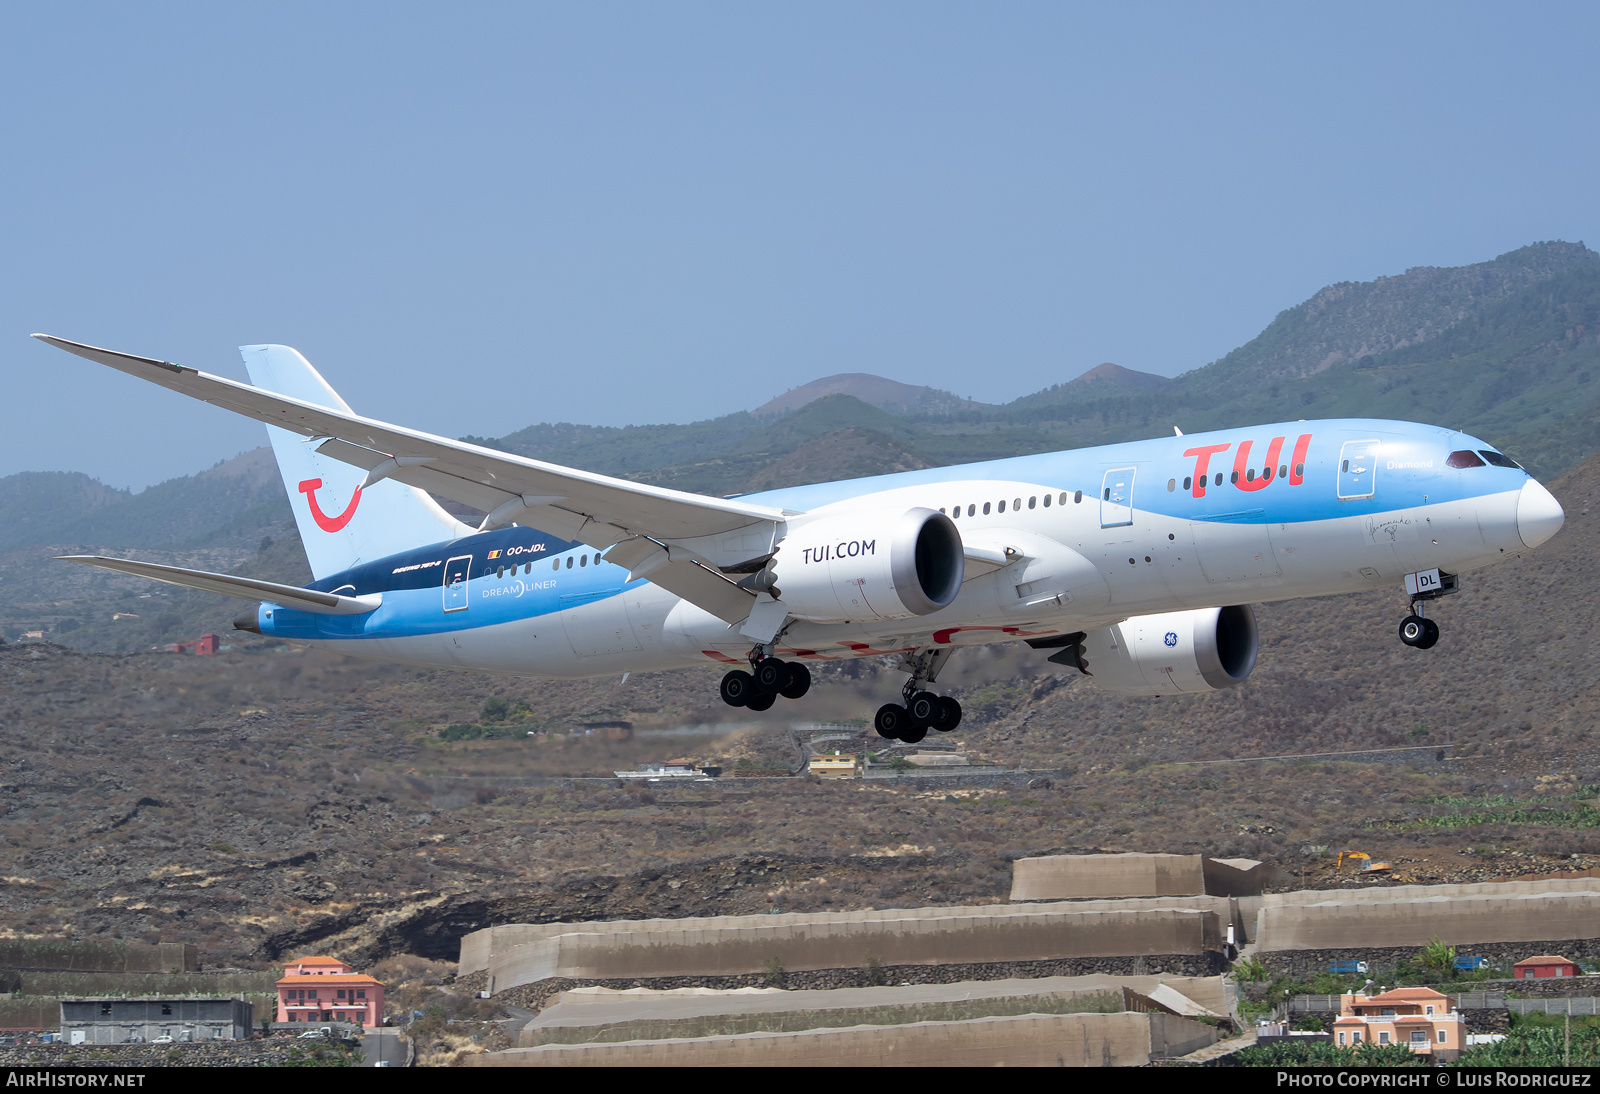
[(1539, 514)]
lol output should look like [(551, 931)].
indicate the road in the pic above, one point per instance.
[(383, 1044)]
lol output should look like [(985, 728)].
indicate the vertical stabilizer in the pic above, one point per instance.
[(340, 524)]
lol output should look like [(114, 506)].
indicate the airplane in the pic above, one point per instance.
[(1133, 564)]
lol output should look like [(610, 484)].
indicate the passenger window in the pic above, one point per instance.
[(941, 509), (985, 508), (569, 562), (555, 564), (1234, 477), (1077, 499), (1282, 471), (972, 509), (583, 560), (1033, 501), (527, 568), (1047, 501), (499, 571), (1172, 484), (1187, 482), (1219, 479), (1016, 503), (1463, 458), (1002, 505), (1299, 471)]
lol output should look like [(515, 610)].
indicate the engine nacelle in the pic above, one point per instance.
[(866, 566), (1174, 653)]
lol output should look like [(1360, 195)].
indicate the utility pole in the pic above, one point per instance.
[(1566, 1056)]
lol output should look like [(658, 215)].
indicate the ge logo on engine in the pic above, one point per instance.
[(1171, 639)]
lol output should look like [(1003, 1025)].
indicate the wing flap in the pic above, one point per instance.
[(244, 588)]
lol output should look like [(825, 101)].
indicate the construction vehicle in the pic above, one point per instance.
[(1368, 866)]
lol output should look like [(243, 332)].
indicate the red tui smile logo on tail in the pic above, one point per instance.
[(309, 488)]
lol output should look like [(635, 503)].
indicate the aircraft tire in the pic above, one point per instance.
[(949, 715), (797, 683), (738, 688), (770, 675), (914, 734), (761, 702), (1430, 637), (891, 721), (1413, 629), (924, 709)]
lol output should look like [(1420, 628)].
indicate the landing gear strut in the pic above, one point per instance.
[(922, 710), (767, 679)]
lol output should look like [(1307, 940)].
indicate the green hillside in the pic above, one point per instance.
[(238, 498)]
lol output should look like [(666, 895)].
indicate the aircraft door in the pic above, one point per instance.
[(1358, 466), (1116, 498), (457, 573)]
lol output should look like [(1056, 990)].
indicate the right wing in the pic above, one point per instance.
[(245, 588), (683, 542)]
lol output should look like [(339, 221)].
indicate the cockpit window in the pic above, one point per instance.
[(1463, 458), (1497, 459)]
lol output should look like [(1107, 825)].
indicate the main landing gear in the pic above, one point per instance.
[(922, 710), (767, 679)]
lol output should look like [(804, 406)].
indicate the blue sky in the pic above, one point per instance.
[(473, 218)]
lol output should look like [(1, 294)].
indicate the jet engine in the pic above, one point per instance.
[(1174, 653), (868, 566)]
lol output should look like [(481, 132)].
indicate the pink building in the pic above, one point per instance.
[(322, 989)]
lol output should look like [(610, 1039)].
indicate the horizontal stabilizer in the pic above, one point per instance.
[(245, 588)]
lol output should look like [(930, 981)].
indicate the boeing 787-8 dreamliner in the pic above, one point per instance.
[(1133, 564)]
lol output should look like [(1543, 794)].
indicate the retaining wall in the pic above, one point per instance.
[(1133, 874), (1462, 920), (1071, 1040), (1048, 934), (481, 947)]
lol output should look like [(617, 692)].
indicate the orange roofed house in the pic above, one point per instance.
[(1544, 965), (1419, 1018), (322, 989)]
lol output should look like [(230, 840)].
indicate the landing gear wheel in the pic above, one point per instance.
[(1414, 631), (770, 675), (949, 715), (761, 702), (1430, 636), (797, 683), (924, 709), (891, 721), (913, 735), (738, 688)]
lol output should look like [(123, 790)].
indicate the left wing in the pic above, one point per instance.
[(245, 588), (681, 541)]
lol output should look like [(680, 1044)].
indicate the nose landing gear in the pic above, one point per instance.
[(1419, 632), (1416, 630)]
